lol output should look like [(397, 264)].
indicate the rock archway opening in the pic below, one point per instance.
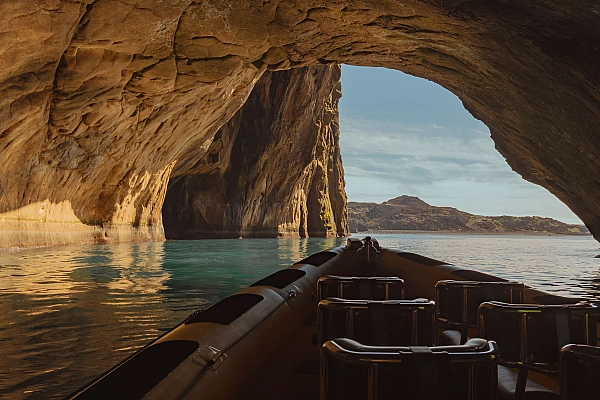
[(403, 135), (399, 135)]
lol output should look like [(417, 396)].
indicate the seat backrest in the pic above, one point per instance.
[(531, 335), (360, 288), (388, 322), (350, 370), (579, 372), (457, 301)]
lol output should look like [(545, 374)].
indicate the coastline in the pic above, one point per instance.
[(442, 232)]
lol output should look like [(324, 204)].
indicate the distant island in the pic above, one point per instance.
[(408, 213)]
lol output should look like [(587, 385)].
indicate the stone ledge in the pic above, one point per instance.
[(17, 235)]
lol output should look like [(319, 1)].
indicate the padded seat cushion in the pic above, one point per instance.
[(449, 338), (507, 381)]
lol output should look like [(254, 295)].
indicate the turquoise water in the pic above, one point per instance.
[(68, 314)]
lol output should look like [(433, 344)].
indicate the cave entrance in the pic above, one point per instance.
[(275, 169), (403, 135)]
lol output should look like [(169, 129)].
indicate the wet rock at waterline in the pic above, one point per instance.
[(103, 102)]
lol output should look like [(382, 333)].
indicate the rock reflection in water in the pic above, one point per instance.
[(68, 314)]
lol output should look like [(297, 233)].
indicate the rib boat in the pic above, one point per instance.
[(363, 322)]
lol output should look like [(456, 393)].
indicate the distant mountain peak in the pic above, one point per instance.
[(407, 201), (409, 213)]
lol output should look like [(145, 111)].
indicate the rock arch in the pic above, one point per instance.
[(101, 102)]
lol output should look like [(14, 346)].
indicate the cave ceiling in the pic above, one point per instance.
[(102, 102)]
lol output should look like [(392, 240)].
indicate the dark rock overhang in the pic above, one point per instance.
[(102, 100)]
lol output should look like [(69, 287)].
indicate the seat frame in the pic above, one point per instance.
[(350, 307), (515, 291), (475, 352), (524, 312), (365, 284)]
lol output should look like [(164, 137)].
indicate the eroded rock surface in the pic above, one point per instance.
[(101, 100), (273, 170)]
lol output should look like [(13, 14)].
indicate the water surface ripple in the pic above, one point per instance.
[(68, 314)]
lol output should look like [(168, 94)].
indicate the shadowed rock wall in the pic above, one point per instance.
[(102, 101), (273, 170)]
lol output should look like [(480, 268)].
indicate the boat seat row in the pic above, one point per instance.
[(458, 302), (350, 370), (361, 288), (529, 337), (381, 323)]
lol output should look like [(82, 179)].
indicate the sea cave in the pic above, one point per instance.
[(121, 117)]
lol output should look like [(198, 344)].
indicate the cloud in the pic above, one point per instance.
[(419, 155)]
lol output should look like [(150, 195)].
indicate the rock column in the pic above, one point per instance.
[(273, 170)]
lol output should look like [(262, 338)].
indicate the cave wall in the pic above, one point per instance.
[(103, 101), (273, 170)]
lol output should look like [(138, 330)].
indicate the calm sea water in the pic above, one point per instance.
[(68, 314)]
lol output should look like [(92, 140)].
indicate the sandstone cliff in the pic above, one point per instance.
[(101, 99), (407, 213), (273, 170)]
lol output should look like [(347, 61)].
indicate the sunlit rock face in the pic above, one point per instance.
[(101, 100), (273, 170)]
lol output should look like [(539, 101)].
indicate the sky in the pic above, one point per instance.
[(402, 135)]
